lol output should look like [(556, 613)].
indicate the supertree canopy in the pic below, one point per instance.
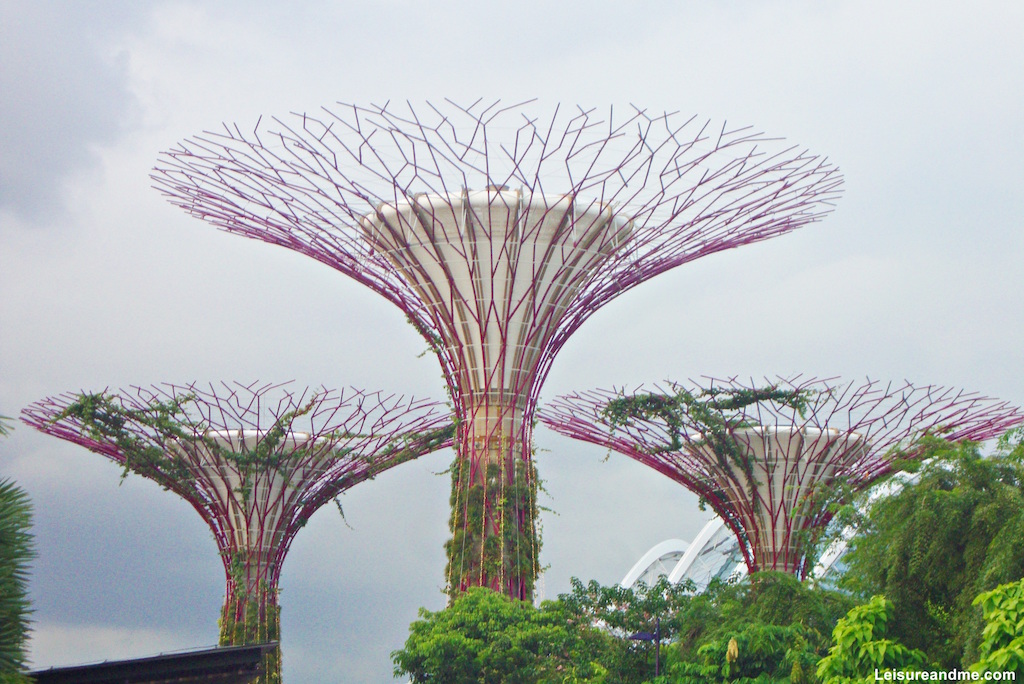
[(255, 461), (771, 459), (498, 231)]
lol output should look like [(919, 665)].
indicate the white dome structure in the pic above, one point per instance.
[(660, 560), (715, 555)]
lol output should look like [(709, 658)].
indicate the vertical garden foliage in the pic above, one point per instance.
[(493, 528), (251, 615)]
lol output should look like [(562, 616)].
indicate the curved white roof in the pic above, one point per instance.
[(713, 554), (656, 562)]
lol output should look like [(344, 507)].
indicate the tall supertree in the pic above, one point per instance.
[(256, 461), (770, 459), (498, 232)]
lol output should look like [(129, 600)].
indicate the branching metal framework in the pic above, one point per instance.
[(256, 461), (773, 471), (498, 232)]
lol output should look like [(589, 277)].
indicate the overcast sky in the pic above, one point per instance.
[(916, 275)]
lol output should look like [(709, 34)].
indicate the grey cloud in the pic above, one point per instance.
[(65, 92)]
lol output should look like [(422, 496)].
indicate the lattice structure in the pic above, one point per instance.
[(255, 461), (498, 232), (770, 467)]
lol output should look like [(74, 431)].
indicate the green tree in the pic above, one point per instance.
[(776, 626), (939, 542), (861, 648), (755, 652), (1002, 644), (779, 626), (605, 616), (15, 554), (484, 637)]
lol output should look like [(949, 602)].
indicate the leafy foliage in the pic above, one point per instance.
[(487, 638), (492, 526), (861, 647), (780, 627), (612, 613), (937, 543), (777, 624), (756, 652), (1002, 645), (768, 628), (15, 553)]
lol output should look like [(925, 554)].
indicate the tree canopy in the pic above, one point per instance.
[(935, 544), (485, 637)]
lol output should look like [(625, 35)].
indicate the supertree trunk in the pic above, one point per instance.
[(251, 612), (494, 506), (491, 309)]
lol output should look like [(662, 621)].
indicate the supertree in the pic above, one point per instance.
[(256, 461), (772, 459), (570, 209)]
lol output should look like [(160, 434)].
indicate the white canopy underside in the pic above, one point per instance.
[(497, 269)]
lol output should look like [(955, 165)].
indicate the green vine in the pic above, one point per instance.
[(251, 614), (401, 449), (715, 413), (494, 534), (408, 446), (102, 418), (156, 454)]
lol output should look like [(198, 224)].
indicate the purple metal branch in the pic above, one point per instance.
[(498, 233), (685, 188), (852, 432), (256, 461)]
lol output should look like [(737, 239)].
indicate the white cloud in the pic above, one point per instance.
[(59, 645)]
